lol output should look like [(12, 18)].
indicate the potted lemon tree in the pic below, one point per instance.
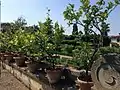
[(85, 55), (91, 17), (54, 73), (19, 42), (51, 36)]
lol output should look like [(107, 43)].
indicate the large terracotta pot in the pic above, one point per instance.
[(54, 75), (84, 85), (43, 65), (9, 58), (84, 80), (2, 57), (33, 66), (20, 60), (66, 73)]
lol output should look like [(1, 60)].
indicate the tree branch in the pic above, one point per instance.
[(112, 9), (79, 22), (96, 26), (93, 31)]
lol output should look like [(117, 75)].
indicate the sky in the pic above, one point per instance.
[(35, 10)]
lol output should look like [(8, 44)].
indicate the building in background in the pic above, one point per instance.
[(115, 40)]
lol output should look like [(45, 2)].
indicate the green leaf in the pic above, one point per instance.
[(100, 2), (110, 5), (71, 6), (117, 1)]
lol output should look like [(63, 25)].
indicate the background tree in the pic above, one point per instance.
[(20, 22), (75, 29), (58, 36)]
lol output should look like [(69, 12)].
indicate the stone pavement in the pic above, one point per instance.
[(9, 82)]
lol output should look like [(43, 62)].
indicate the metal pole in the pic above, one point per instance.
[(0, 31), (0, 15)]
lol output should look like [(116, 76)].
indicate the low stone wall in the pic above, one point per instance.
[(27, 78)]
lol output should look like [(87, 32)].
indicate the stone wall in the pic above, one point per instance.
[(106, 72), (26, 78)]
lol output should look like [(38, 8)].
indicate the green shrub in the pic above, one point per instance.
[(69, 42), (67, 49), (105, 50)]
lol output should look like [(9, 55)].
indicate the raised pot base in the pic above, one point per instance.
[(84, 85)]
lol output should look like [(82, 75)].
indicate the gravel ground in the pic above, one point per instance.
[(9, 82)]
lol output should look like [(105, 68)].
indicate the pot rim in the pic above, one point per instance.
[(81, 81), (53, 70), (18, 57)]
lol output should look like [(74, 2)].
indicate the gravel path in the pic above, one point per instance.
[(9, 82)]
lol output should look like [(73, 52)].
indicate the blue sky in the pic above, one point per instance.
[(35, 10)]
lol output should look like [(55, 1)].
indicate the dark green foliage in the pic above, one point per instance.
[(5, 27), (67, 49), (31, 29), (106, 41), (69, 37), (96, 38), (69, 42), (86, 38), (90, 38), (75, 29), (105, 50)]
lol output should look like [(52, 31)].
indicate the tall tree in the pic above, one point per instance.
[(75, 29), (20, 23)]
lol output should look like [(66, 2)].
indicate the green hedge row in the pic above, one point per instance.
[(105, 50)]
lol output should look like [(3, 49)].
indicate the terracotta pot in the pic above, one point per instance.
[(43, 65), (2, 57), (33, 66), (53, 75), (20, 60), (9, 58), (84, 85), (67, 74)]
